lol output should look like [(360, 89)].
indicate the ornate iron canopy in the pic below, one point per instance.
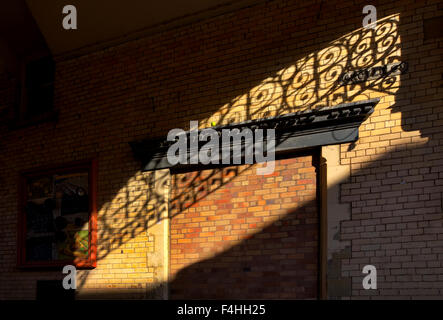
[(294, 131)]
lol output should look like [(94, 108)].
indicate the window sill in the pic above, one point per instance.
[(50, 116)]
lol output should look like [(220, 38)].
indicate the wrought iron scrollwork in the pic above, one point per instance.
[(374, 73)]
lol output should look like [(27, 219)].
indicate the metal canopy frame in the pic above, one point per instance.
[(293, 131)]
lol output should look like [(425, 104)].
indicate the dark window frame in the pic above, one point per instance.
[(28, 87)]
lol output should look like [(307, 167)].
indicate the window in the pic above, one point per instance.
[(57, 218), (37, 92)]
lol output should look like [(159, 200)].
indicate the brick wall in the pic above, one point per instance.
[(268, 59), (250, 236), (395, 187)]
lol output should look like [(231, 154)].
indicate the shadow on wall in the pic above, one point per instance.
[(310, 83), (253, 237)]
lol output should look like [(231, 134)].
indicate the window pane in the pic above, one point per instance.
[(57, 217)]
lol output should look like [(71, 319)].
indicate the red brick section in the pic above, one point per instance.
[(252, 237)]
